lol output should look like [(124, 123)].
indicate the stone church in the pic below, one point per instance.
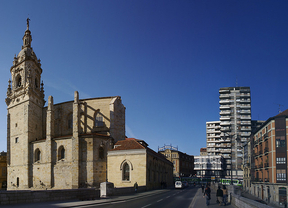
[(60, 146)]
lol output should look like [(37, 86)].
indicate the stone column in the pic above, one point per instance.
[(49, 136), (75, 142)]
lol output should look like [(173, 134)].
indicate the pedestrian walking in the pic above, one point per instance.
[(219, 195), (207, 195), (136, 186), (225, 195), (202, 186)]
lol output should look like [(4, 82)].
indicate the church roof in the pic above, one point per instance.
[(128, 144)]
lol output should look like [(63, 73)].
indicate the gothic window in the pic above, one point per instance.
[(126, 172), (37, 155), (70, 121), (61, 153), (101, 153), (99, 121)]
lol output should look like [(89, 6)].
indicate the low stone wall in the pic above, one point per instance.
[(127, 190), (14, 197), (235, 198), (242, 202)]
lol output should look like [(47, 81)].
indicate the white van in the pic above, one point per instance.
[(178, 184)]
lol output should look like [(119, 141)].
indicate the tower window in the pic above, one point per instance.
[(36, 83), (101, 153), (17, 181), (70, 121), (16, 140), (37, 155), (99, 121), (18, 81), (61, 153)]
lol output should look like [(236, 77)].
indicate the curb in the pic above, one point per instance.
[(109, 200)]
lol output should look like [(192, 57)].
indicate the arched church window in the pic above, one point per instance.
[(61, 153), (126, 172), (70, 121), (99, 121), (37, 155)]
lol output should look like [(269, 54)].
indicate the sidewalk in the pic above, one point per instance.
[(199, 201)]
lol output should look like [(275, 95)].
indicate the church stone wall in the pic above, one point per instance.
[(61, 115), (137, 163), (62, 167), (117, 115)]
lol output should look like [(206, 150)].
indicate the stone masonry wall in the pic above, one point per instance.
[(14, 197)]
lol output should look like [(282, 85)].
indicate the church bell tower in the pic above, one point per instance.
[(25, 102)]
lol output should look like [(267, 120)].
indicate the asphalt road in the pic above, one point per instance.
[(180, 198)]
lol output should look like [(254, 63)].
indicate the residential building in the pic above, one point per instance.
[(203, 151), (133, 161), (209, 166), (182, 162), (235, 122), (270, 159), (248, 157)]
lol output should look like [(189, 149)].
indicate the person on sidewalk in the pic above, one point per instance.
[(219, 195), (207, 195), (225, 195), (202, 186), (136, 186)]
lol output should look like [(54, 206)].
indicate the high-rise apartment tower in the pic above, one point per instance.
[(235, 122)]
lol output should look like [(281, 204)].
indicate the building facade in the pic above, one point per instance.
[(270, 147), (203, 151), (61, 146), (182, 162), (235, 122), (132, 161), (208, 167), (248, 157)]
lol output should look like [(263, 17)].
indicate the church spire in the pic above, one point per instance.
[(27, 38), (28, 23)]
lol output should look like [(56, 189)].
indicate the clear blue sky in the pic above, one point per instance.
[(166, 59)]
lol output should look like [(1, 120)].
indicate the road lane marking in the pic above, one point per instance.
[(159, 200), (147, 205)]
